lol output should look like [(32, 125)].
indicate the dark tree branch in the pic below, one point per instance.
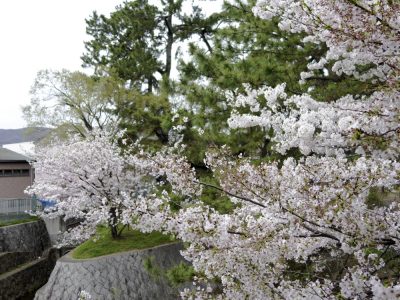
[(203, 37)]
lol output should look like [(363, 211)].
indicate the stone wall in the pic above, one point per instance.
[(26, 260), (27, 278), (10, 260), (116, 276), (27, 237)]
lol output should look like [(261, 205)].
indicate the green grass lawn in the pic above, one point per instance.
[(103, 244), (24, 219)]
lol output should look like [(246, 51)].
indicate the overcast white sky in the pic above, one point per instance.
[(35, 35), (45, 34)]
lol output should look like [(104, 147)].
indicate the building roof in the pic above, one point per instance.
[(7, 155)]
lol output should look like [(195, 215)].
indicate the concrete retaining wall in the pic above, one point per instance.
[(27, 237), (117, 276), (55, 226), (10, 260), (26, 259), (27, 278)]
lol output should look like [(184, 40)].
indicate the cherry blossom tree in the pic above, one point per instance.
[(303, 227), (89, 179)]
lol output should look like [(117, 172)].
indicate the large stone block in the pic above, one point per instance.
[(117, 276), (27, 237)]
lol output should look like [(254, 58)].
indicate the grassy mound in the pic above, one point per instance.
[(104, 244)]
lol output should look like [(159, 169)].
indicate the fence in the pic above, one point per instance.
[(15, 208)]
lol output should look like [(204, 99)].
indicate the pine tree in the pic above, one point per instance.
[(249, 50), (135, 44)]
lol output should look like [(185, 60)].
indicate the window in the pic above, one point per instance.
[(14, 172), (24, 172)]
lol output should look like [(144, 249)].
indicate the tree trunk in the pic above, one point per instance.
[(114, 231), (203, 37), (264, 149), (170, 41), (150, 84), (113, 223), (161, 135)]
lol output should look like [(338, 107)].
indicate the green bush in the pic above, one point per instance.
[(152, 268), (180, 273)]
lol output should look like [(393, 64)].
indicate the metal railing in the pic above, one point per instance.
[(17, 206)]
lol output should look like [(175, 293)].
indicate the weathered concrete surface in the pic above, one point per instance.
[(27, 261), (117, 276), (10, 260), (27, 278), (54, 227), (27, 237)]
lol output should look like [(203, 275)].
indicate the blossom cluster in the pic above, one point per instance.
[(348, 124), (357, 33)]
